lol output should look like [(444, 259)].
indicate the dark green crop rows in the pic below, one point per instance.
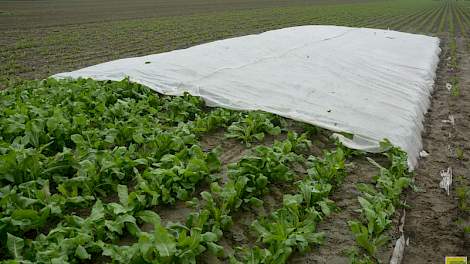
[(85, 165)]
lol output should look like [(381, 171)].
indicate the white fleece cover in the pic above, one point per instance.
[(372, 83)]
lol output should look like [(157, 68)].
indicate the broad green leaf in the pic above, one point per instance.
[(215, 249), (117, 208), (81, 253), (206, 196), (123, 195), (97, 212), (325, 208), (209, 237), (146, 247), (259, 136), (138, 138), (316, 238), (149, 217), (275, 131), (212, 162), (77, 139), (15, 245), (164, 241)]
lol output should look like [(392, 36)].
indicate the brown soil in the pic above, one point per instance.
[(431, 222)]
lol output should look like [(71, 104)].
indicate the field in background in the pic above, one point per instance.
[(47, 13), (36, 51), (40, 38)]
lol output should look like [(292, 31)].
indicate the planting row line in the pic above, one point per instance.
[(66, 145)]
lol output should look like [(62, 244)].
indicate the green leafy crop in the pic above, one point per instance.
[(293, 226), (68, 146), (378, 204), (253, 126)]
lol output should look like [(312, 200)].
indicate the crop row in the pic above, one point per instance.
[(69, 146), (293, 226), (121, 150), (378, 204)]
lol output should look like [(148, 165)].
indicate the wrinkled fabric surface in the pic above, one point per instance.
[(372, 83)]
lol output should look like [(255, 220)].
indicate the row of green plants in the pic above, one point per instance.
[(67, 146), (292, 227), (84, 166), (249, 179), (378, 203), (453, 63), (78, 238), (248, 182)]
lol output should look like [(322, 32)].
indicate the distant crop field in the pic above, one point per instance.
[(35, 50), (112, 172), (46, 13)]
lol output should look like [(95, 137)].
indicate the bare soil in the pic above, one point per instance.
[(432, 220)]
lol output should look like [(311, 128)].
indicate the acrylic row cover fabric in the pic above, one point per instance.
[(372, 83)]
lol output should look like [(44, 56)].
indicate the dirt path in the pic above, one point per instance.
[(432, 220)]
